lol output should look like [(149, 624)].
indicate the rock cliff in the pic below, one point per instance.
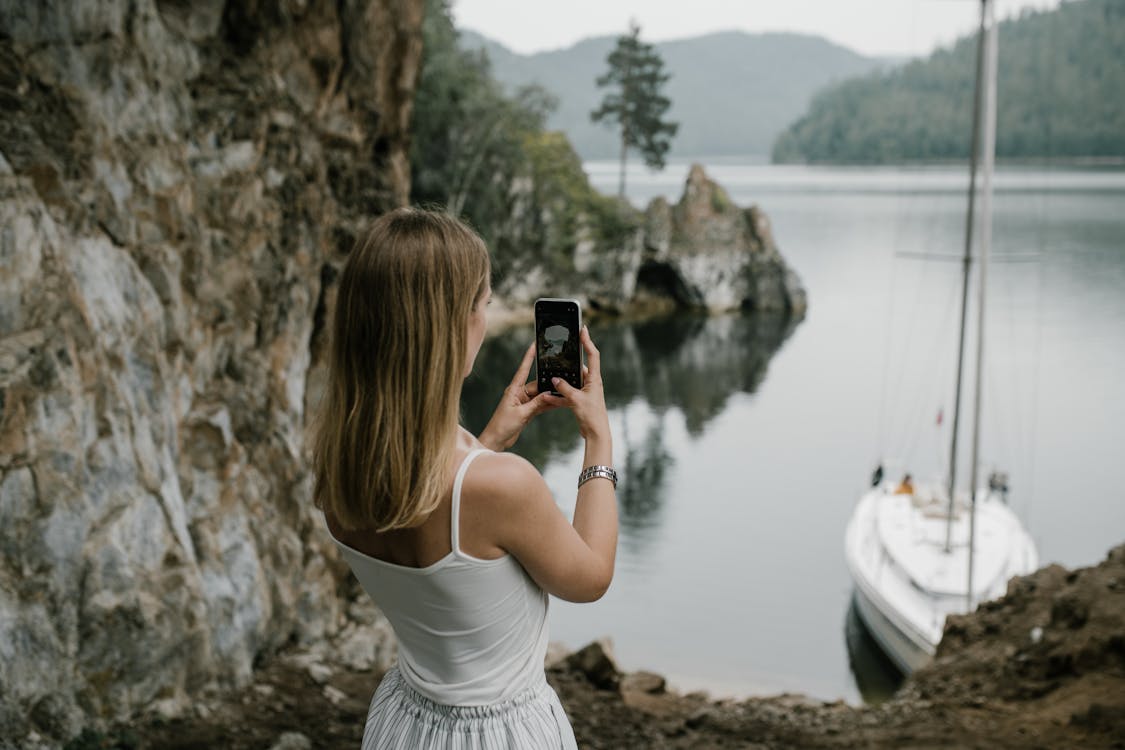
[(178, 181), (703, 253), (707, 252)]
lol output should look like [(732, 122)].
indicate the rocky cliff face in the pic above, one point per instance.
[(178, 181)]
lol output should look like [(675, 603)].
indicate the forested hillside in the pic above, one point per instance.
[(1061, 89), (731, 92)]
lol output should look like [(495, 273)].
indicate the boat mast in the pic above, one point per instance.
[(966, 263), (985, 243)]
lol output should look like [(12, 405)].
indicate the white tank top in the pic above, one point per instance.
[(470, 631)]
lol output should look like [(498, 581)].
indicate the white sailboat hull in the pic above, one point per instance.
[(906, 583), (907, 653)]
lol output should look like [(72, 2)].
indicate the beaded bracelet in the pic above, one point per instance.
[(605, 472)]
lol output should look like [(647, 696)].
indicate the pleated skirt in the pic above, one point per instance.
[(401, 718)]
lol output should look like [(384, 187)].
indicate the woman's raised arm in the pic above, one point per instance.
[(571, 561)]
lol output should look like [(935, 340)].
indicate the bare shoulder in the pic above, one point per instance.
[(503, 499), (503, 478)]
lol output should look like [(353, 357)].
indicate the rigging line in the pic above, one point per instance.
[(886, 414), (1005, 453), (936, 390), (899, 391), (937, 353), (997, 420), (1015, 286), (888, 325), (931, 387), (889, 318), (1045, 200)]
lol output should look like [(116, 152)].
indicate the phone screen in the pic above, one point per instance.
[(557, 349)]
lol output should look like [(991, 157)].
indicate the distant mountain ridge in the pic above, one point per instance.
[(732, 92)]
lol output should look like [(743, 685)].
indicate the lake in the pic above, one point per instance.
[(744, 441)]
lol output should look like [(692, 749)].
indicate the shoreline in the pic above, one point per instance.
[(720, 689), (764, 160), (1091, 162), (992, 684)]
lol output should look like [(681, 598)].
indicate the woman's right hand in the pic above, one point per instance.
[(587, 402)]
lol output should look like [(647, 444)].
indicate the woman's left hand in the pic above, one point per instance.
[(521, 401)]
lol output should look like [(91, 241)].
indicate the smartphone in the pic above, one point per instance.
[(558, 352)]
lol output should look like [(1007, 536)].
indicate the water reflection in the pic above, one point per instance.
[(645, 465), (694, 363), (690, 363)]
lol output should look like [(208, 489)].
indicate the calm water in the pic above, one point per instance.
[(744, 441)]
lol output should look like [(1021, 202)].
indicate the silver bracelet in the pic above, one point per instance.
[(605, 472)]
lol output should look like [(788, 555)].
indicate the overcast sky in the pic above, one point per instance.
[(871, 27)]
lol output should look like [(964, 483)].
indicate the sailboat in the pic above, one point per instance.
[(919, 553)]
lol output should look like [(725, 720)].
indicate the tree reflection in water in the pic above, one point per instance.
[(690, 363), (641, 493)]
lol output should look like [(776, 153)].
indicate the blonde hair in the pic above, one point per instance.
[(386, 430)]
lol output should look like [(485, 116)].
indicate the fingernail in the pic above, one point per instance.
[(554, 381)]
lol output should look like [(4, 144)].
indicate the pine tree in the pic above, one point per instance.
[(635, 102)]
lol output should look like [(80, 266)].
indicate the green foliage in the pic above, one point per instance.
[(467, 133), (1060, 81), (720, 201), (485, 156), (635, 102), (575, 211)]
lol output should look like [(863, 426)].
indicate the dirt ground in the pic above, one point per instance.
[(1044, 667)]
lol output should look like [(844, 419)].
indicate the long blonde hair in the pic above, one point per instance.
[(386, 430)]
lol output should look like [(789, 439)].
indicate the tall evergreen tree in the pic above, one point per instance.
[(635, 102)]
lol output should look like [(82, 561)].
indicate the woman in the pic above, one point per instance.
[(457, 542)]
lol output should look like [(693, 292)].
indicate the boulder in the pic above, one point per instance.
[(643, 682), (292, 741), (596, 662)]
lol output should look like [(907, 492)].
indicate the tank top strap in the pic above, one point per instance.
[(455, 513)]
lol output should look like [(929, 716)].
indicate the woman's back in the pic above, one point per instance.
[(471, 631)]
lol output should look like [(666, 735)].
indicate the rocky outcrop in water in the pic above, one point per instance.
[(707, 252), (703, 253), (178, 182)]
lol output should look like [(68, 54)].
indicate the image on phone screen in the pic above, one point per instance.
[(558, 353)]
